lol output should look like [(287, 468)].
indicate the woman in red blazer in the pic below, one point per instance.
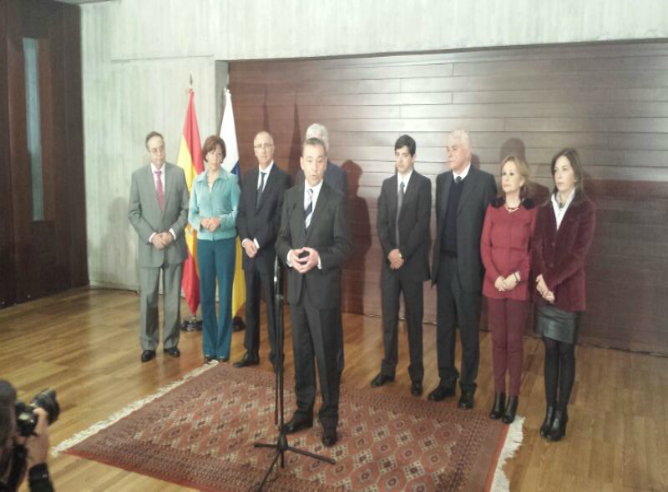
[(505, 251), (561, 241)]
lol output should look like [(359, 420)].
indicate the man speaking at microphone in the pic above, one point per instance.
[(314, 241)]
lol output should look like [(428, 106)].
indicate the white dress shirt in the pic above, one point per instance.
[(463, 174), (560, 211)]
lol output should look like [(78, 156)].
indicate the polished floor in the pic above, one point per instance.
[(85, 344)]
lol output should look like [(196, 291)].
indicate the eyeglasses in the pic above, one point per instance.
[(263, 146)]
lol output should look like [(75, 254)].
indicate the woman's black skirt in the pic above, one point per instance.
[(557, 324)]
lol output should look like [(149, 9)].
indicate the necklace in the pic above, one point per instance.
[(512, 209)]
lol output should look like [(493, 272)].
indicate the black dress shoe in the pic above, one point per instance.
[(498, 407), (223, 359), (416, 388), (466, 400), (381, 379), (147, 355), (329, 437), (511, 410), (297, 423), (558, 429), (441, 393), (208, 359), (547, 423), (174, 352), (248, 360)]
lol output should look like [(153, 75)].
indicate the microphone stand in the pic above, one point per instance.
[(281, 445)]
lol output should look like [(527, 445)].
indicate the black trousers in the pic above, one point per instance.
[(392, 287), (456, 309), (314, 335), (259, 284)]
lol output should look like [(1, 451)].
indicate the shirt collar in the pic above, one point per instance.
[(155, 169), (557, 205), (404, 179), (464, 173), (266, 171), (316, 189)]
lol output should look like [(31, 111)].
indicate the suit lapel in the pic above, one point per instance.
[(392, 199), (299, 216), (470, 184), (267, 185), (409, 194), (319, 207), (169, 184), (252, 187)]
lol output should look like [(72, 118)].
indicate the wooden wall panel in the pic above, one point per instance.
[(610, 101)]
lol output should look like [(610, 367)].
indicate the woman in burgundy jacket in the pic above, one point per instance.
[(561, 241), (505, 250)]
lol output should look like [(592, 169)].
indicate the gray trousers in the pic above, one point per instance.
[(149, 279)]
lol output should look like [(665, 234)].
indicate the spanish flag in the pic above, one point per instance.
[(228, 133), (190, 160)]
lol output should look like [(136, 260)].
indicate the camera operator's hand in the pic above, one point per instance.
[(38, 445)]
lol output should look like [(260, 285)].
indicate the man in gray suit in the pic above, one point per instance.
[(462, 196), (158, 211)]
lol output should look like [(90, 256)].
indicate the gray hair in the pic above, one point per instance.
[(316, 130), (461, 136)]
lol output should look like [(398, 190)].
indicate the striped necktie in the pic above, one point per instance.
[(308, 212)]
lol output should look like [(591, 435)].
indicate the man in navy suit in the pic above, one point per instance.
[(462, 196), (258, 222)]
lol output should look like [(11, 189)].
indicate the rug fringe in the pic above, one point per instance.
[(513, 442), (115, 417)]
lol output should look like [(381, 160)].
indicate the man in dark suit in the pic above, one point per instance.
[(314, 241), (337, 179), (258, 222), (158, 210), (462, 196), (404, 212)]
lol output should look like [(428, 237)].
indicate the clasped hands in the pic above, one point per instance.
[(162, 239), (210, 223), (506, 284), (250, 248), (395, 259), (542, 289), (305, 264)]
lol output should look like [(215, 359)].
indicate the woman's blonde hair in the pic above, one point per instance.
[(522, 168)]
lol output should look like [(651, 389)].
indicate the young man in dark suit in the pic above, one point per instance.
[(404, 212), (314, 241), (258, 222), (462, 196)]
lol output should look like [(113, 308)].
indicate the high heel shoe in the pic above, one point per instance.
[(547, 423), (511, 410), (558, 429), (498, 407)]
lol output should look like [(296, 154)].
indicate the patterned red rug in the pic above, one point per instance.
[(201, 433)]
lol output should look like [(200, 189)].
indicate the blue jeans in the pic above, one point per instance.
[(216, 261)]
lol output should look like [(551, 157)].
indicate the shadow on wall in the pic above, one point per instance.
[(115, 247), (360, 228)]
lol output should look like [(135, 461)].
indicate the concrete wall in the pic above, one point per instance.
[(138, 56)]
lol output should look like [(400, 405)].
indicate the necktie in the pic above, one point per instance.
[(161, 193), (400, 201), (260, 190), (308, 212), (458, 180)]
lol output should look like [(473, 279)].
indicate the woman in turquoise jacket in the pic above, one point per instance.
[(213, 212)]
